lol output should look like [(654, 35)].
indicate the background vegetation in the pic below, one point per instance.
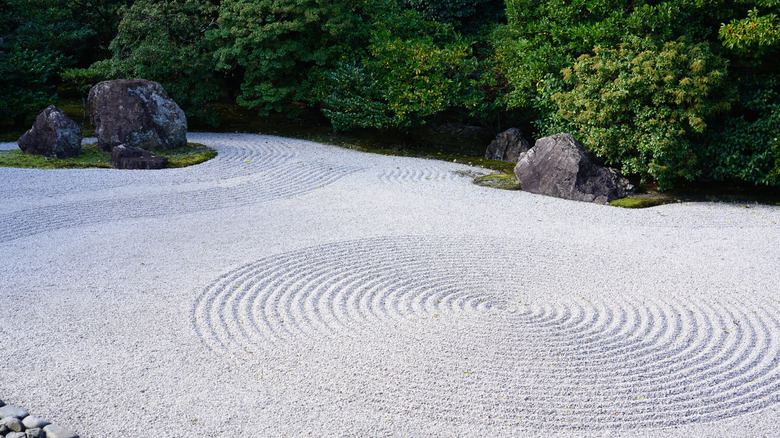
[(667, 91)]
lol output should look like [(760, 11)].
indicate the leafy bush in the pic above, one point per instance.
[(543, 38), (411, 69), (641, 105), (754, 35)]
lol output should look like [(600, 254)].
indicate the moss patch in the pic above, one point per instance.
[(190, 155), (504, 181), (636, 202), (92, 157)]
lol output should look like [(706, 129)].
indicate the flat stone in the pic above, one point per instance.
[(12, 411), (32, 422), (128, 157), (54, 431), (16, 435)]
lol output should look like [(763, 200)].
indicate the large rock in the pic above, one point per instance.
[(126, 157), (53, 135), (136, 113), (507, 146), (560, 166)]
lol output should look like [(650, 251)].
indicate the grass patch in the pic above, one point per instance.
[(634, 202), (92, 157), (504, 181)]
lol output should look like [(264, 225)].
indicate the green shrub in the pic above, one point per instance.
[(747, 148), (641, 105), (410, 70)]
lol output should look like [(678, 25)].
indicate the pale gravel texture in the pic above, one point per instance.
[(288, 287)]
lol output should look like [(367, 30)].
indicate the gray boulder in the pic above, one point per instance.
[(53, 135), (507, 146), (560, 166), (136, 113), (126, 157)]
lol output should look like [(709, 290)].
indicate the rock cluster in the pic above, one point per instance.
[(560, 166), (136, 113), (507, 146), (18, 423), (53, 135)]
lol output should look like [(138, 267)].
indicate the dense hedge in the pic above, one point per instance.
[(665, 90)]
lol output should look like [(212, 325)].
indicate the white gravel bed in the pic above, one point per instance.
[(287, 288)]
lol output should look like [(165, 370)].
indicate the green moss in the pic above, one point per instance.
[(632, 202), (504, 181), (92, 157), (190, 155)]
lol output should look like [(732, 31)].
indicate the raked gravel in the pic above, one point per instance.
[(288, 288)]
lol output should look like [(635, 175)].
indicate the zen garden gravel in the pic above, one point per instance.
[(288, 288)]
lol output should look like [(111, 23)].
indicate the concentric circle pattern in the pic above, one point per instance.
[(255, 170), (464, 329)]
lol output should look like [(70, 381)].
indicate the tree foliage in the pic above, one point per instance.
[(41, 38), (756, 34), (467, 16), (411, 69), (281, 46), (167, 42)]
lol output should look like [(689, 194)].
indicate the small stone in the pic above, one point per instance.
[(54, 431), (32, 422), (507, 146), (16, 435), (128, 157), (12, 411), (35, 432), (13, 424)]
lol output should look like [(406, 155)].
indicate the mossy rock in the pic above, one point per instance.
[(503, 181), (636, 202)]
